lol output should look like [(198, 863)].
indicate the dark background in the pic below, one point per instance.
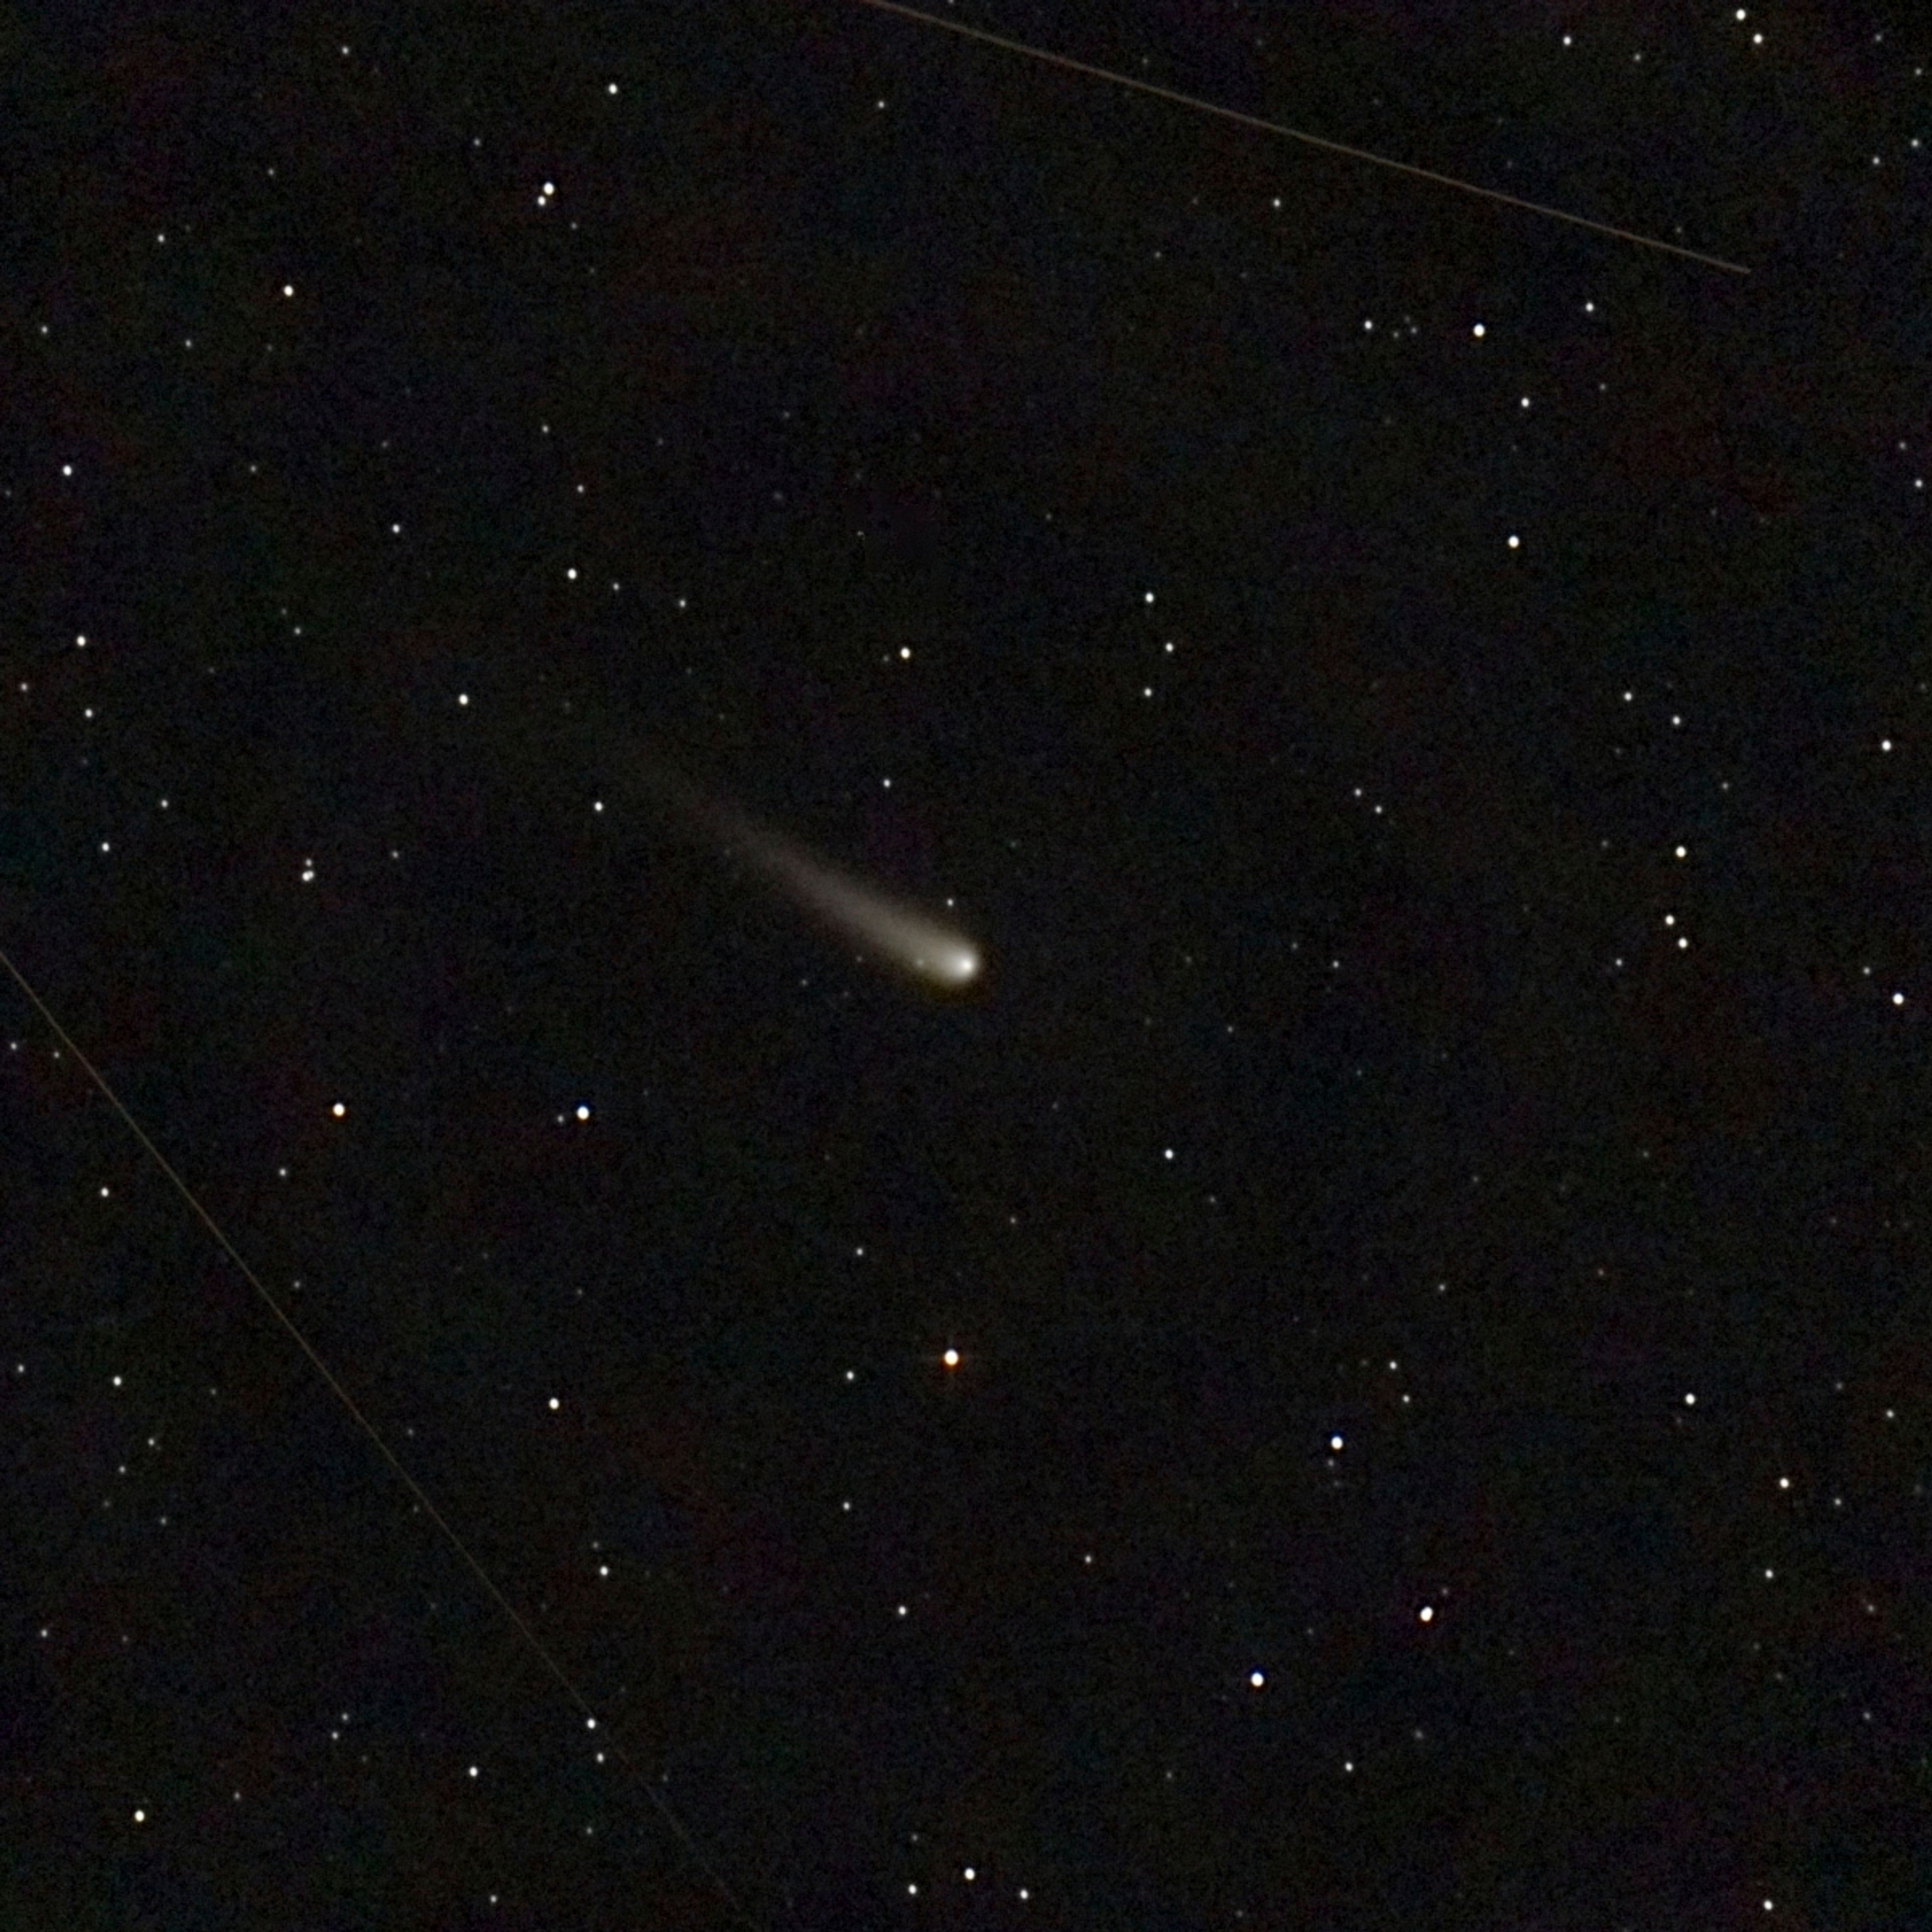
[(1340, 1074)]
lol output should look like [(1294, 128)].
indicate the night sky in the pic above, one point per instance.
[(1371, 1368)]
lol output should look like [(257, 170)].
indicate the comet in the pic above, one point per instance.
[(894, 930)]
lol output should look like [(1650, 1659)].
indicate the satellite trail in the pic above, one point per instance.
[(1294, 134)]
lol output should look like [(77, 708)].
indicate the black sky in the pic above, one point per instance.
[(1425, 709)]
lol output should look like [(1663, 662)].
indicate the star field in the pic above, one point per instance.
[(1345, 1347)]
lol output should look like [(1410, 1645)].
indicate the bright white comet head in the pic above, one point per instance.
[(955, 965), (937, 954)]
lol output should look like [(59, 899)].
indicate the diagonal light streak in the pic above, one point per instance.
[(1073, 66), (899, 933)]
